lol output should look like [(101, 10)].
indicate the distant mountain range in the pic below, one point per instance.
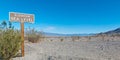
[(116, 31), (57, 34)]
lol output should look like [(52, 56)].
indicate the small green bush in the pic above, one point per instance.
[(61, 39), (34, 36), (10, 43)]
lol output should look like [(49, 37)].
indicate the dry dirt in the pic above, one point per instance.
[(72, 50)]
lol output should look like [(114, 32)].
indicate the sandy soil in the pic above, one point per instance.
[(72, 51)]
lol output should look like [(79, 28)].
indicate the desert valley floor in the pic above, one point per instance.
[(76, 50)]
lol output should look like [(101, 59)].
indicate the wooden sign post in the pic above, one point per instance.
[(21, 17), (22, 38)]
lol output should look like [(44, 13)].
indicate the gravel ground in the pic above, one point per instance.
[(72, 51)]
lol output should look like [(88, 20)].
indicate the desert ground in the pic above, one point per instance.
[(82, 48)]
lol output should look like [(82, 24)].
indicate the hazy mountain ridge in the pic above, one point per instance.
[(57, 34), (115, 31)]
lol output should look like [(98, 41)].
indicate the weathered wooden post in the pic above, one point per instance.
[(22, 38), (22, 18)]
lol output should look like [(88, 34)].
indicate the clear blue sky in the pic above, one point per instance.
[(66, 16)]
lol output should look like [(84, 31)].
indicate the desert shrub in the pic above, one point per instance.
[(61, 39), (34, 36), (75, 38), (88, 38), (51, 40), (10, 42)]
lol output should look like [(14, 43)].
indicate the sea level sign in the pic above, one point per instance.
[(21, 17)]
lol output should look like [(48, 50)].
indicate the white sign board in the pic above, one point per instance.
[(21, 17)]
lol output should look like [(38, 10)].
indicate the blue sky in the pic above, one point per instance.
[(66, 16)]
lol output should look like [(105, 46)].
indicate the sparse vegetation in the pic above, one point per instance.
[(10, 42), (75, 38), (34, 36), (51, 40), (61, 39)]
